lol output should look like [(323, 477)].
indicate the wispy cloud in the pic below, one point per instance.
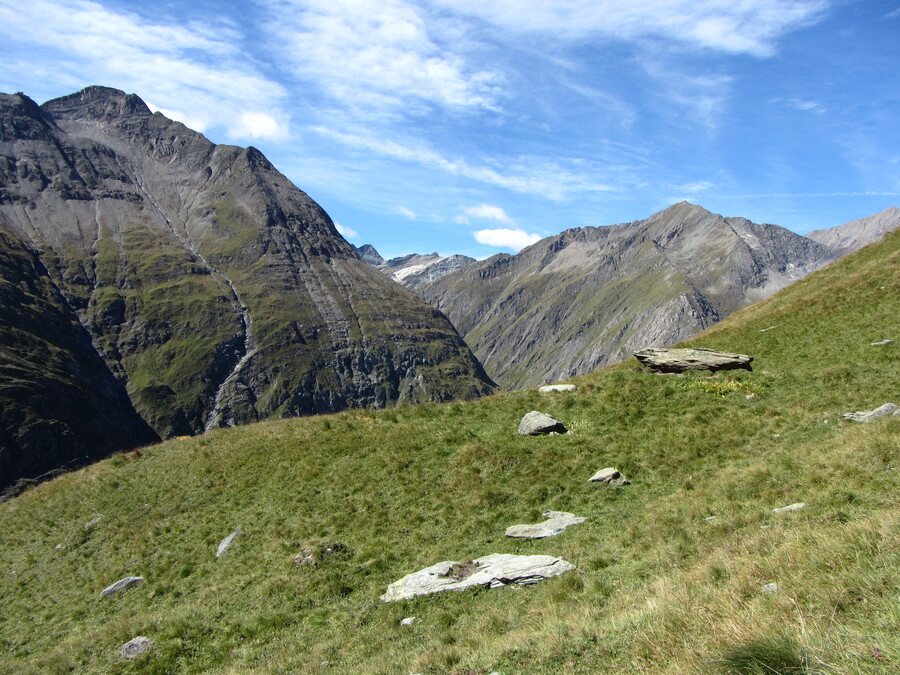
[(403, 211), (193, 71), (346, 232), (484, 212), (801, 105)]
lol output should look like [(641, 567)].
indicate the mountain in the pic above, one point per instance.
[(212, 289), (687, 570), (414, 270), (858, 233), (590, 296)]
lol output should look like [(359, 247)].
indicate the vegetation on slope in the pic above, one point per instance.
[(658, 589)]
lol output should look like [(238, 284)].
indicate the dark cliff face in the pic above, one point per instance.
[(590, 296), (213, 290)]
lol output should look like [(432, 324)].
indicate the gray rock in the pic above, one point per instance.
[(536, 423), (408, 621), (121, 585), (768, 589), (664, 360), (887, 410), (93, 521), (557, 387), (556, 522), (226, 543), (610, 476), (495, 570), (316, 550), (883, 342), (766, 330), (790, 507), (135, 647)]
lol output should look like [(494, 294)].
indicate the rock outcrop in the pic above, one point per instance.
[(858, 233), (886, 410), (609, 476), (537, 423), (556, 522), (121, 585), (495, 571), (172, 285), (663, 360)]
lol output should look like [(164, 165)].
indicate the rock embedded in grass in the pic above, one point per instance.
[(609, 476), (790, 507), (121, 585), (547, 388), (887, 410), (537, 423), (135, 647), (495, 571), (768, 589), (556, 522), (226, 543), (663, 360)]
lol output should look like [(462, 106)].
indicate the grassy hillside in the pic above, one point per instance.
[(658, 589)]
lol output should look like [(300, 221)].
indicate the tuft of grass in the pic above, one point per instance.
[(772, 655)]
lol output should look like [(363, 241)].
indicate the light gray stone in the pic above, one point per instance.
[(89, 524), (883, 342), (609, 476), (556, 522), (768, 589), (408, 621), (121, 585), (887, 410), (226, 543), (665, 360), (557, 387), (790, 507), (495, 570), (135, 647), (536, 423)]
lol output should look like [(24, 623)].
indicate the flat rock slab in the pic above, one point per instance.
[(887, 410), (557, 387), (121, 585), (663, 360), (536, 423), (135, 647), (556, 522), (609, 476), (226, 543), (495, 570), (790, 507)]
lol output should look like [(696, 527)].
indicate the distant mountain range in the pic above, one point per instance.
[(154, 284), (414, 270), (591, 296)]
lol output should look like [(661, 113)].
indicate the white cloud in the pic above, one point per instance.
[(376, 55), (346, 232), (193, 73), (526, 174), (802, 105), (487, 212), (403, 211), (515, 239)]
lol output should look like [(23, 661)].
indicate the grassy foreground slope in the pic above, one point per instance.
[(658, 589)]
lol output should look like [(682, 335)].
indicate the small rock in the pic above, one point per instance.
[(135, 647), (883, 342), (556, 523), (709, 518), (557, 387), (121, 585), (408, 621), (226, 543), (316, 550), (887, 410), (60, 547), (765, 330), (768, 589), (610, 476), (536, 423), (790, 507), (89, 524)]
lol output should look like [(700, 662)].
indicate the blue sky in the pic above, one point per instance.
[(477, 126)]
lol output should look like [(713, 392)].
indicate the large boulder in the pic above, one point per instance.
[(665, 360), (887, 410), (536, 423), (494, 570), (556, 522)]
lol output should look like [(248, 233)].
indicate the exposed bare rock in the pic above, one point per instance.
[(537, 423), (790, 507), (664, 360), (136, 646), (887, 410), (858, 233), (609, 476), (226, 543), (547, 388), (415, 270), (556, 522), (121, 585), (495, 570)]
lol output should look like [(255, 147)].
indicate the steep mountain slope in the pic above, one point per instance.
[(213, 288), (857, 233), (591, 296), (675, 571)]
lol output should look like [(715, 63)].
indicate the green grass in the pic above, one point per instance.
[(658, 587)]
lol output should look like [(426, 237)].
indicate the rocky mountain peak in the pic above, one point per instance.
[(99, 103)]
